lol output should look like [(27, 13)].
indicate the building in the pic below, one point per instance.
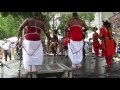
[(115, 21), (106, 15)]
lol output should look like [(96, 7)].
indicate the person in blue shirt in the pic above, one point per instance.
[(118, 50)]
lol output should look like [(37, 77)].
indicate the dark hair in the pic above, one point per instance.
[(36, 14), (107, 24), (74, 14), (55, 31), (95, 28)]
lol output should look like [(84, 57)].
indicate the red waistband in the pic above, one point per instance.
[(33, 34), (32, 37), (75, 28), (32, 30)]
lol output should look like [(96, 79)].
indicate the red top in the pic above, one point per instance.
[(95, 36), (33, 37), (95, 40), (76, 33), (104, 32), (66, 41)]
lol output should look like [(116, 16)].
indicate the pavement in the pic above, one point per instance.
[(92, 68)]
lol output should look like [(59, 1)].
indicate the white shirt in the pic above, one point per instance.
[(13, 45), (6, 46), (86, 47)]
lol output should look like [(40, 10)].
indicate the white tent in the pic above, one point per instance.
[(90, 34), (13, 39), (1, 41)]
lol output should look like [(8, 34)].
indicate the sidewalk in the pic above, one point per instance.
[(92, 68), (12, 71)]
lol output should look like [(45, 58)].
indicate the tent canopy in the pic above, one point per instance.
[(13, 39)]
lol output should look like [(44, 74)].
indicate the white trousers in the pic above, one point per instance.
[(75, 51), (32, 54)]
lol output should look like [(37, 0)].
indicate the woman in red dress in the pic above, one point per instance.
[(108, 43), (95, 42)]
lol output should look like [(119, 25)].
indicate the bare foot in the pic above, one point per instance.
[(79, 66)]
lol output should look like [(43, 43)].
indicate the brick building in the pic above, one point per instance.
[(115, 21)]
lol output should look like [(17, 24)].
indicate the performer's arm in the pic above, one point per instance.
[(96, 37), (45, 29), (66, 29), (101, 33), (85, 26), (21, 27)]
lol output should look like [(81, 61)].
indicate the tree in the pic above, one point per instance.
[(10, 21), (2, 34), (10, 24), (25, 14)]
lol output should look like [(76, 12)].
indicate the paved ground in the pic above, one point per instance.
[(12, 71), (92, 68)]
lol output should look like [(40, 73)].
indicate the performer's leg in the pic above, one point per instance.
[(107, 67), (5, 55), (37, 68), (79, 66), (96, 51), (65, 50), (74, 70), (103, 53), (73, 66), (10, 55), (83, 52), (109, 63)]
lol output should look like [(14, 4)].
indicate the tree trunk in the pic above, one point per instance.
[(48, 44)]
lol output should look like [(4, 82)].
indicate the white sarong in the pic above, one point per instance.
[(32, 54), (75, 51)]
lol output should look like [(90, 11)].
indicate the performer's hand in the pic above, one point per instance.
[(20, 41), (84, 30), (52, 39), (17, 43)]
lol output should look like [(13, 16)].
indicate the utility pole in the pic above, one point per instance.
[(100, 19), (53, 22)]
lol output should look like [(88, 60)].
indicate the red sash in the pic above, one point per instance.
[(31, 35), (76, 33), (66, 42), (95, 42)]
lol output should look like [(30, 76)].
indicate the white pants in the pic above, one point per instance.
[(75, 51), (32, 54)]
